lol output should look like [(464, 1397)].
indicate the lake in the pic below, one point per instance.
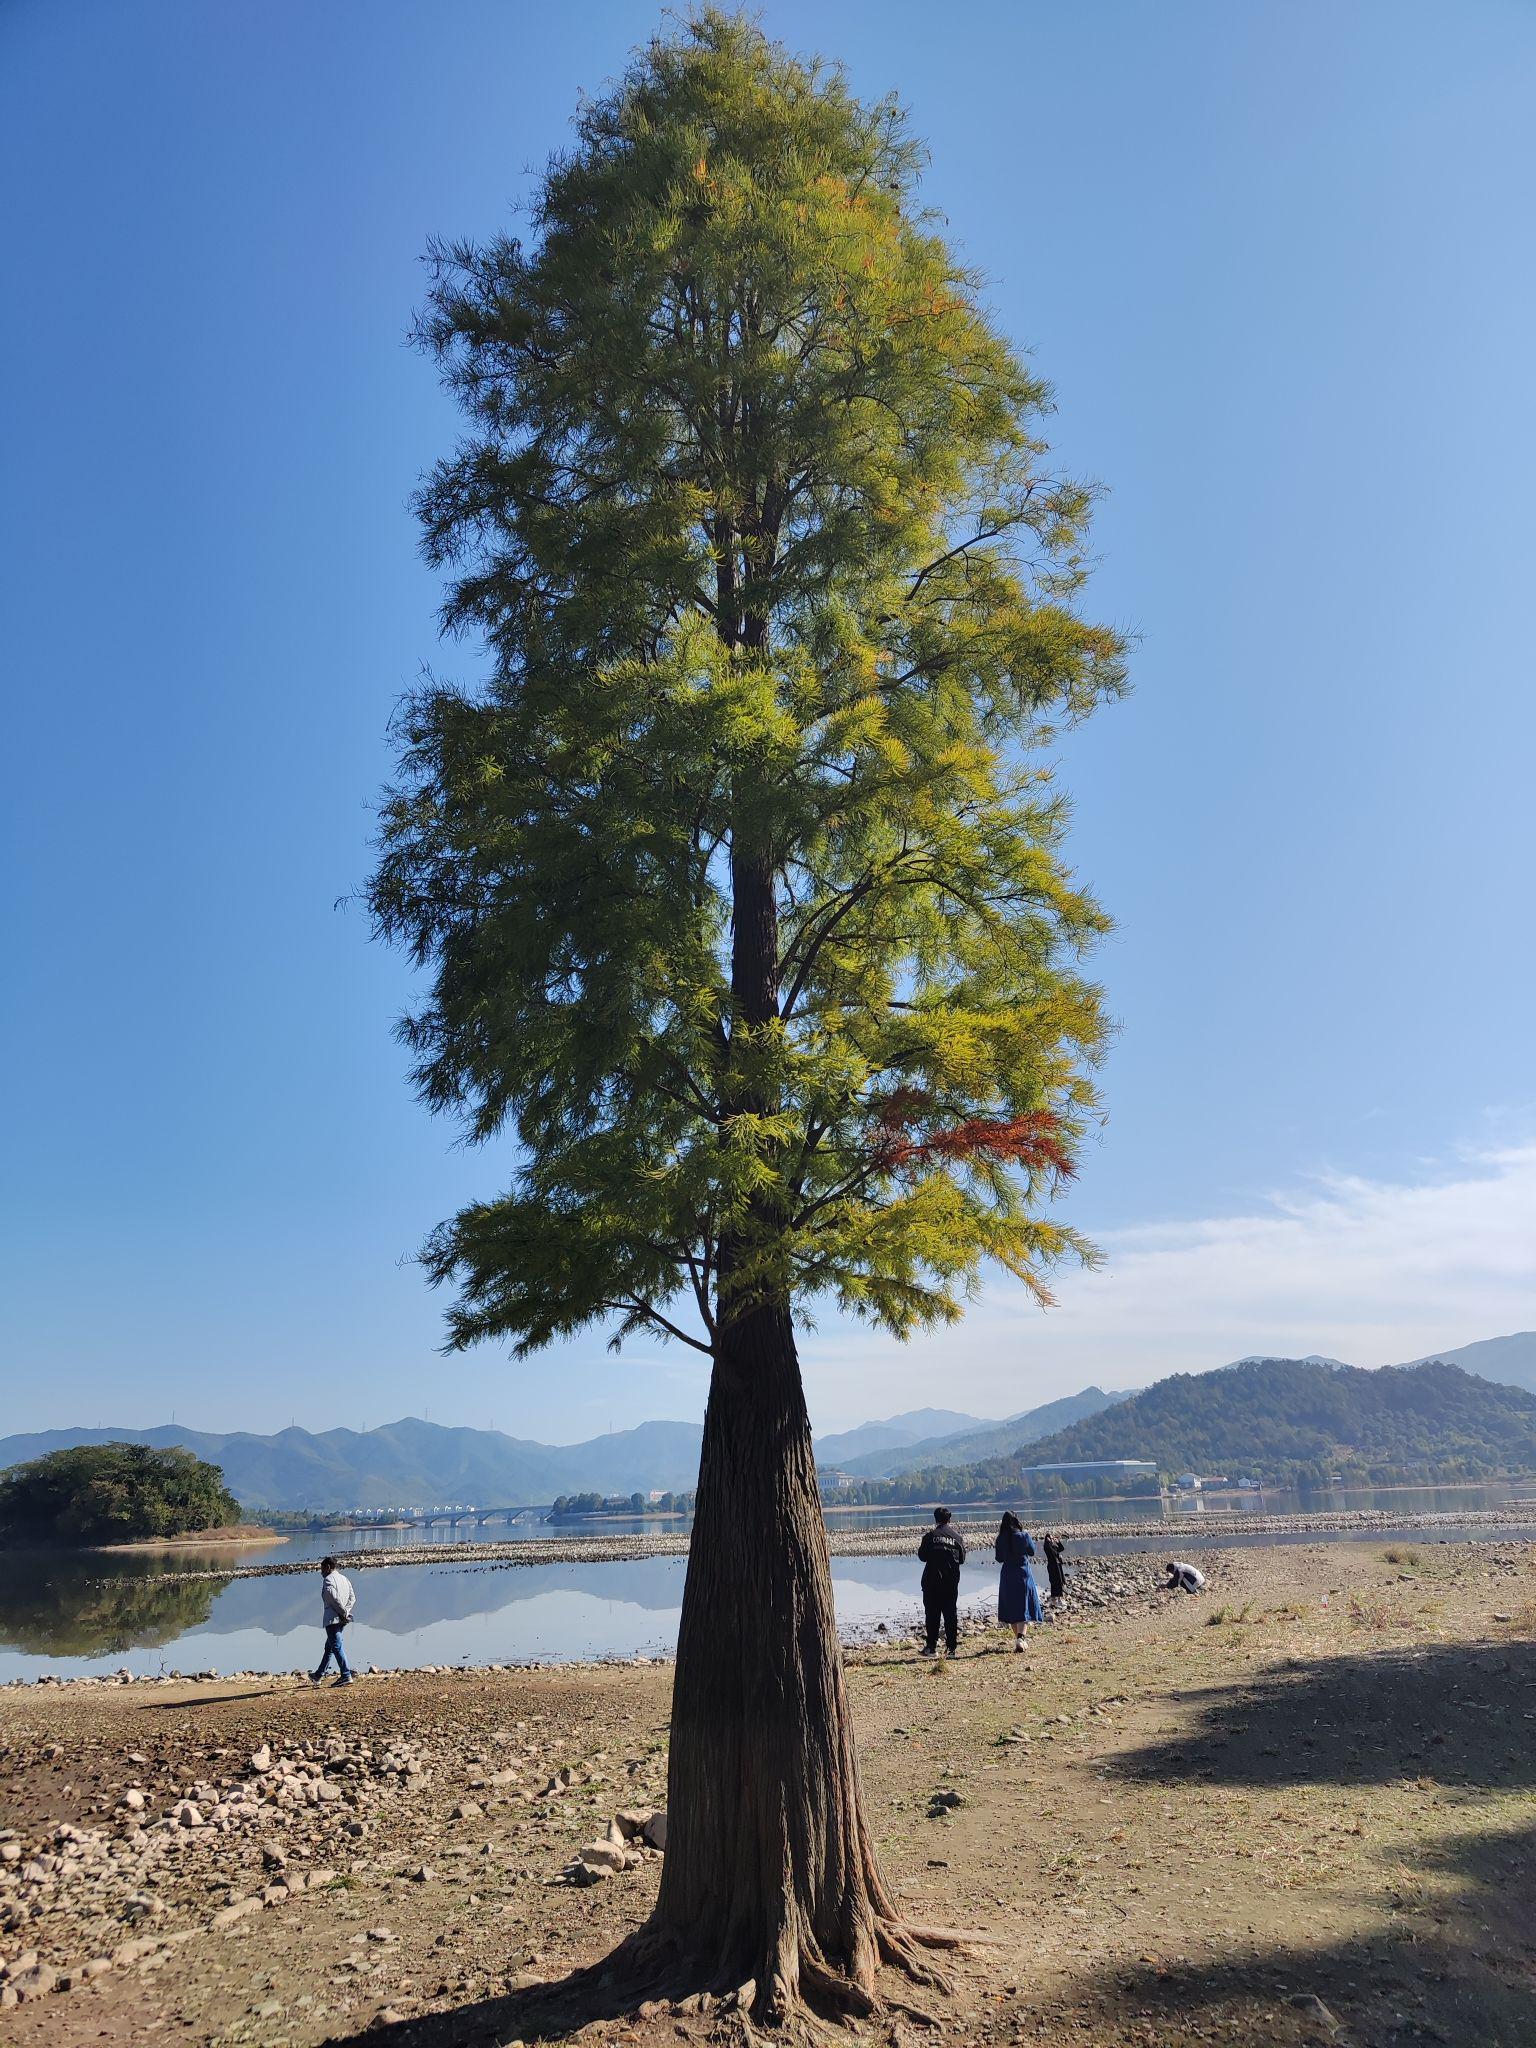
[(74, 1613)]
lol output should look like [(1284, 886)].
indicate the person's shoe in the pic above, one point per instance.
[(315, 1677), (929, 1650), (1018, 1646), (347, 1680)]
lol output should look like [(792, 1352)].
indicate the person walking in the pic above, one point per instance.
[(1018, 1597), (1053, 1547), (337, 1600), (942, 1551)]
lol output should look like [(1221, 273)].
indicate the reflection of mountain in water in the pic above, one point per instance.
[(400, 1599), (68, 1606)]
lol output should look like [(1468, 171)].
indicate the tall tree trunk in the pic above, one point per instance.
[(770, 1876)]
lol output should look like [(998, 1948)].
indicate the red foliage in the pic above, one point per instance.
[(1033, 1140)]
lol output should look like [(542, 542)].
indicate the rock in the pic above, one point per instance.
[(382, 1934), (656, 1830), (10, 1852), (1309, 2003), (238, 1909), (421, 1875), (274, 1855), (466, 1810), (187, 1814), (261, 1760), (34, 1983), (132, 1952), (603, 1856), (133, 1800), (319, 1878)]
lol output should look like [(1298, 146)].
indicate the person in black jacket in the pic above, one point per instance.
[(1053, 1549), (942, 1551)]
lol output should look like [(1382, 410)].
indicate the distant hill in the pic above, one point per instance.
[(1291, 1417), (410, 1463), (1509, 1360), (984, 1440), (875, 1438)]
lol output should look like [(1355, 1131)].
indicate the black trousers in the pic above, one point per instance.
[(939, 1611)]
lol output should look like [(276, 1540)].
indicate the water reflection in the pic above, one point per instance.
[(53, 1617), (63, 1606), (89, 1611)]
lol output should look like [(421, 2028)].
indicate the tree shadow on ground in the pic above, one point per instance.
[(1453, 1956), (1450, 1711)]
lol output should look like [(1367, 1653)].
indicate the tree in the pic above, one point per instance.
[(112, 1493), (738, 877)]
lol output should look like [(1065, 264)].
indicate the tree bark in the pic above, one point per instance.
[(770, 1877)]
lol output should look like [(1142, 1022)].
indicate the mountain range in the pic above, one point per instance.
[(410, 1463), (420, 1464), (1511, 1361), (898, 1434), (977, 1440)]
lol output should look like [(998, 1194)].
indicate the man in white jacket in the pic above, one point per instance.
[(337, 1601)]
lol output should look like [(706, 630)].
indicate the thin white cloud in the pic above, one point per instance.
[(1372, 1272)]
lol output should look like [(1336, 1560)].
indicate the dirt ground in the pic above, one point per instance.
[(1300, 1808)]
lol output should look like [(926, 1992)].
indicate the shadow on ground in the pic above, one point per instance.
[(1453, 1962)]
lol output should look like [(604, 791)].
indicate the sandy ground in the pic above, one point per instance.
[(1298, 1809)]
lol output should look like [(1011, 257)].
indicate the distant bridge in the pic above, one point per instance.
[(455, 1518)]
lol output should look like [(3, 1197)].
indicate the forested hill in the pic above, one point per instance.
[(1291, 1417)]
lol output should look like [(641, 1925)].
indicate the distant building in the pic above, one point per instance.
[(1091, 1466)]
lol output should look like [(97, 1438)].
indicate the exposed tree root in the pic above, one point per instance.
[(795, 1995)]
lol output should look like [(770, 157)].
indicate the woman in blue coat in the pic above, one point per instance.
[(1018, 1597)]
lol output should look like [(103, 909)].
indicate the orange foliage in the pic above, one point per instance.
[(1033, 1140)]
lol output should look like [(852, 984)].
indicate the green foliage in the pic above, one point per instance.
[(739, 878), (1298, 1421), (112, 1493), (575, 1506)]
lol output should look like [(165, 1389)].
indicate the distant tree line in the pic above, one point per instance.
[(568, 1505), (990, 1479)]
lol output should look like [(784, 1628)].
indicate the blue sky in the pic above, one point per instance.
[(1275, 260)]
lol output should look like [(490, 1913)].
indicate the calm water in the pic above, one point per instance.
[(91, 1612)]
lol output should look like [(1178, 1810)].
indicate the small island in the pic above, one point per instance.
[(97, 1494)]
